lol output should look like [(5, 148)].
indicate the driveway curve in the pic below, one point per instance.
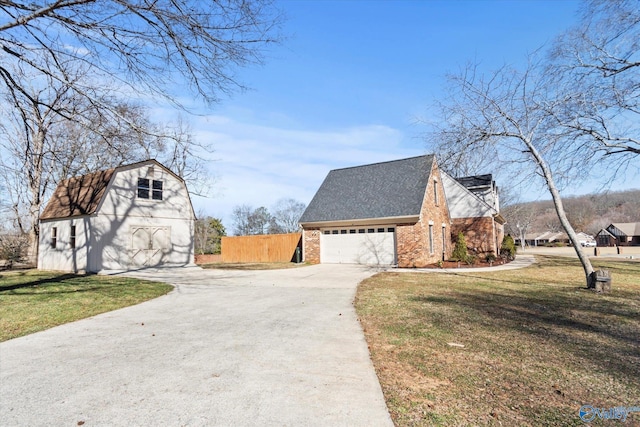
[(224, 348)]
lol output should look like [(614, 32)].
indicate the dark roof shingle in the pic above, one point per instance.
[(380, 190), (77, 196)]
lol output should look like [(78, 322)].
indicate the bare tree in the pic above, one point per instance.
[(508, 112), (143, 47), (41, 147), (596, 66), (520, 217), (241, 220), (286, 214), (208, 233)]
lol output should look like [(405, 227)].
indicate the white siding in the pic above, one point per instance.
[(63, 257), (107, 239)]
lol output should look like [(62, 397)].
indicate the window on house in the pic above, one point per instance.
[(54, 237), (327, 232), (371, 230), (157, 190), (361, 230), (72, 237), (334, 231), (444, 239), (343, 231), (352, 231), (430, 238), (147, 187), (391, 229), (380, 230), (143, 188), (435, 192)]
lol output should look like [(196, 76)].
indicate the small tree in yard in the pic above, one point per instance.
[(13, 248), (508, 248), (460, 252)]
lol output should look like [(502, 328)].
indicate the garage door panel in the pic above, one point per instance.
[(361, 248)]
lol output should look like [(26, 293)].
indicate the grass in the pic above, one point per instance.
[(253, 265), (523, 347), (31, 300)]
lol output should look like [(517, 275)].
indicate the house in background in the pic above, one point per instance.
[(474, 207), (132, 216), (401, 212), (619, 234)]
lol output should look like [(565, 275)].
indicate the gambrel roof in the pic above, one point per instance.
[(381, 190), (77, 196), (82, 195)]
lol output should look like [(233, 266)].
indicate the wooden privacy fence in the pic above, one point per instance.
[(262, 248)]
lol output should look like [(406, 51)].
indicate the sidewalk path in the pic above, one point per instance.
[(521, 261)]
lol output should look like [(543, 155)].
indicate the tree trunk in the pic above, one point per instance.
[(562, 216)]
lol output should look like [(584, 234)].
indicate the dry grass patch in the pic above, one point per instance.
[(536, 344), (31, 301)]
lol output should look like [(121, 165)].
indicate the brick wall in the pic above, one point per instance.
[(208, 258), (311, 246), (483, 235), (413, 239)]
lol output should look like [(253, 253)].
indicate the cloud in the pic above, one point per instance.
[(258, 164)]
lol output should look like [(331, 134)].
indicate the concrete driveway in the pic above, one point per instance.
[(225, 348)]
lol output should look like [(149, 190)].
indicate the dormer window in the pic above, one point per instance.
[(147, 187)]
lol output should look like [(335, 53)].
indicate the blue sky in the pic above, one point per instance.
[(348, 86)]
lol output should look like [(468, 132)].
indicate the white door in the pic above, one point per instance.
[(149, 245), (371, 246)]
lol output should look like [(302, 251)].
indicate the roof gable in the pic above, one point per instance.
[(379, 190), (78, 196), (627, 228), (84, 194), (462, 202)]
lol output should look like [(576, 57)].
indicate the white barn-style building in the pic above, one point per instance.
[(133, 216)]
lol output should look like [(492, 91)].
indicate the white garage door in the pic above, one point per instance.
[(375, 246)]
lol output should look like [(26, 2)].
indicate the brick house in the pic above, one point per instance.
[(474, 207), (389, 213)]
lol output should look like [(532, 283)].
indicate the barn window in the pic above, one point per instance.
[(157, 190), (72, 237), (147, 188), (143, 188), (54, 237)]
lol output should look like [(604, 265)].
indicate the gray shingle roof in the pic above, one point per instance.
[(379, 190)]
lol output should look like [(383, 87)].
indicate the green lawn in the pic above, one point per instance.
[(32, 300), (524, 347)]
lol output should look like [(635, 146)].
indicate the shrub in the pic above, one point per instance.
[(13, 248), (490, 258), (460, 252), (508, 248)]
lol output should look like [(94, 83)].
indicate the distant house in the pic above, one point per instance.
[(395, 212), (128, 217), (619, 234), (474, 207)]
